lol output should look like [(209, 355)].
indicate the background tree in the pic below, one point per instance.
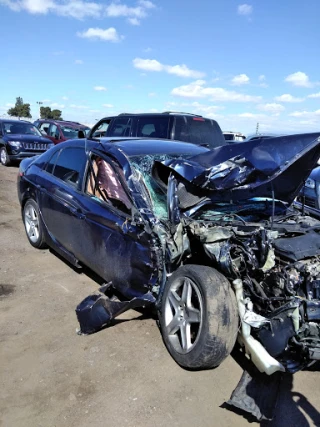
[(20, 109), (47, 113)]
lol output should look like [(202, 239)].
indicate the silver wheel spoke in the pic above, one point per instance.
[(186, 292), (174, 325), (194, 315), (185, 336), (174, 299)]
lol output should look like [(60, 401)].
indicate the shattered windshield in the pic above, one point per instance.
[(158, 196)]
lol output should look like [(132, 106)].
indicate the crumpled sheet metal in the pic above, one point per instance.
[(97, 311), (257, 395), (262, 168)]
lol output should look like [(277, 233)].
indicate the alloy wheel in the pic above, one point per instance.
[(183, 314), (3, 156), (31, 221)]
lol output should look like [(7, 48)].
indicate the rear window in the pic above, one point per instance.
[(229, 136), (70, 132), (153, 127), (198, 130)]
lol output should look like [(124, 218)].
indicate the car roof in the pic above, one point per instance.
[(165, 113), (16, 121), (140, 146), (63, 122)]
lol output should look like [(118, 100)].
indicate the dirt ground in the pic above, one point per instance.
[(121, 376)]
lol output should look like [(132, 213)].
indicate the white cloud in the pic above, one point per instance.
[(299, 79), (56, 105), (197, 89), (262, 78), (147, 4), (110, 34), (134, 21), (107, 105), (245, 9), (77, 9), (80, 9), (100, 88), (152, 94), (239, 80), (133, 14), (78, 107), (147, 50), (9, 105), (314, 95), (307, 114), (250, 116), (286, 97), (183, 71), (148, 64), (154, 65), (78, 61), (206, 110), (271, 108), (65, 98)]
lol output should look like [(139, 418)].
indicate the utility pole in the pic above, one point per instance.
[(39, 103), (257, 128)]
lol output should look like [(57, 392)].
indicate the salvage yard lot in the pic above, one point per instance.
[(121, 376)]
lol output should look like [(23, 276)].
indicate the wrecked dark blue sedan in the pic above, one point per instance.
[(208, 237)]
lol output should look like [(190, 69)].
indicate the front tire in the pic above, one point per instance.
[(4, 157), (33, 224), (198, 317)]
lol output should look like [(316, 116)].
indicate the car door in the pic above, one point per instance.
[(55, 134), (44, 128), (59, 185), (111, 243)]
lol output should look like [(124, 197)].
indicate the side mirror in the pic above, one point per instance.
[(81, 134), (318, 162)]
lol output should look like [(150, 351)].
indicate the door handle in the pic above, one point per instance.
[(77, 213)]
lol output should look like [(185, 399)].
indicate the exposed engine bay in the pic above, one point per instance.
[(275, 271), (229, 209)]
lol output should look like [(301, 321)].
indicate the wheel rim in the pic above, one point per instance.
[(183, 314), (31, 221), (3, 157)]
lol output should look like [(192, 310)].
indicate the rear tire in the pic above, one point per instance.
[(33, 225), (4, 157), (198, 317)]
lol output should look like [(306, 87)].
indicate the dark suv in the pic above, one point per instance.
[(168, 125), (20, 139), (60, 130)]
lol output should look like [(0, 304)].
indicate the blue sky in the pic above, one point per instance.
[(241, 63)]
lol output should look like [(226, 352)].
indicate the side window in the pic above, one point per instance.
[(103, 182), (45, 127), (120, 127), (153, 127), (101, 129), (51, 163), (70, 165), (54, 132)]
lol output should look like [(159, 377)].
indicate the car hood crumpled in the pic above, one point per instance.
[(274, 167)]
